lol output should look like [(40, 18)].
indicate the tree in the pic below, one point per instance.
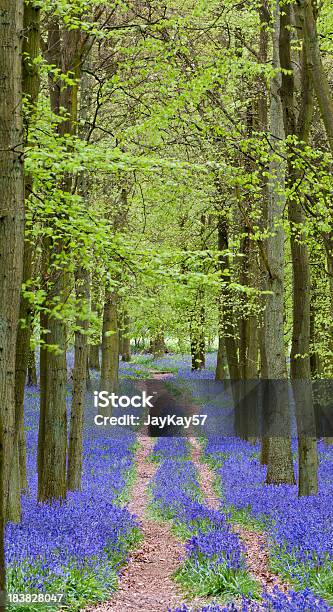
[(300, 368), (65, 51), (30, 85), (11, 254), (280, 463)]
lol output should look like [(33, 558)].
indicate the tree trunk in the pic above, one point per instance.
[(264, 451), (81, 376), (53, 410), (158, 345), (42, 401), (328, 242), (30, 85), (221, 371), (316, 69), (32, 370), (227, 329), (300, 369), (110, 344), (96, 308), (88, 377), (280, 463), (197, 333), (64, 52), (126, 338), (126, 349), (11, 242), (265, 18), (94, 357), (74, 473), (249, 338)]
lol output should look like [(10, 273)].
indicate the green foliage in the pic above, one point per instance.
[(171, 121), (203, 579), (318, 579)]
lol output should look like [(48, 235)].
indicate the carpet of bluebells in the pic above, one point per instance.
[(76, 547), (214, 563), (299, 529), (79, 546)]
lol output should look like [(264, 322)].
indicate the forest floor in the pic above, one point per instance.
[(146, 582)]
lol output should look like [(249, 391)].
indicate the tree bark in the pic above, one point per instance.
[(11, 257), (280, 464), (221, 370), (11, 241), (265, 20), (110, 344), (227, 328), (197, 333), (81, 375), (300, 368), (328, 243), (249, 338), (158, 345), (94, 363), (316, 69), (30, 85), (74, 470), (126, 338), (64, 51)]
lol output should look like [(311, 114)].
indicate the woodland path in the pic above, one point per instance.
[(146, 583)]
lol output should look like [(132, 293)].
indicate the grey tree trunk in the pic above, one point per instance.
[(110, 344), (226, 325), (221, 370), (64, 52), (300, 368), (75, 451), (280, 464), (30, 85), (81, 377), (265, 18), (94, 349), (249, 328), (94, 357), (197, 333), (11, 244), (317, 73), (52, 435), (126, 338)]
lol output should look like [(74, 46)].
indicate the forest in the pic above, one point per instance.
[(166, 231)]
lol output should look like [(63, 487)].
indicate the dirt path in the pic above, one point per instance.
[(206, 476), (256, 548), (146, 584), (257, 559)]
